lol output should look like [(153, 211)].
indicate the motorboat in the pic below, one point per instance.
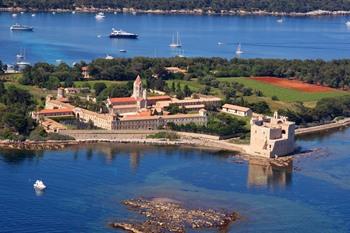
[(122, 51), (347, 23), (280, 20), (100, 15), (39, 185), (109, 57), (120, 34), (33, 15), (14, 15), (19, 27)]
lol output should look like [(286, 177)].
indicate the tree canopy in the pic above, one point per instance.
[(213, 5)]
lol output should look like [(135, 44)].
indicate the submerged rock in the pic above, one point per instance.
[(164, 215)]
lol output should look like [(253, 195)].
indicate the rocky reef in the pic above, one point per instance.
[(163, 215)]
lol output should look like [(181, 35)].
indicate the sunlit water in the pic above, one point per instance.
[(86, 185), (74, 37)]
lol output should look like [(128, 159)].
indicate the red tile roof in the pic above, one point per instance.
[(159, 97), (123, 100), (60, 110)]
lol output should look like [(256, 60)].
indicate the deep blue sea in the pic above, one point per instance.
[(86, 185), (73, 37)]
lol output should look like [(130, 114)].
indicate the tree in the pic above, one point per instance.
[(99, 87), (187, 91)]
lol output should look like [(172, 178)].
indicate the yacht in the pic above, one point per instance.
[(14, 15), (122, 51), (122, 34), (280, 20), (100, 15), (239, 50), (73, 12), (348, 23), (109, 57), (39, 185), (19, 27), (33, 15), (177, 43)]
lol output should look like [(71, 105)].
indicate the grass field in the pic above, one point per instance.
[(194, 85), (285, 94), (92, 82)]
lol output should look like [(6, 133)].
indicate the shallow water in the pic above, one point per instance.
[(86, 185), (72, 38)]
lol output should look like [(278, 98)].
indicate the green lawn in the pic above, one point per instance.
[(284, 94), (194, 85), (92, 82)]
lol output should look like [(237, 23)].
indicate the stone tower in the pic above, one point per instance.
[(138, 90), (60, 93), (272, 136)]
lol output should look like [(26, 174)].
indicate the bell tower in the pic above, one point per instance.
[(138, 90)]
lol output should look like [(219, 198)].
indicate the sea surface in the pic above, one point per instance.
[(71, 37), (86, 185)]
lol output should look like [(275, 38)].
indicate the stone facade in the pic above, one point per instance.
[(272, 136), (156, 122)]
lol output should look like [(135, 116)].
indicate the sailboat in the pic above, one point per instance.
[(239, 50), (177, 43), (181, 53)]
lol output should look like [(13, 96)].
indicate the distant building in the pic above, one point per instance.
[(85, 72), (58, 112), (272, 136), (237, 110), (175, 70)]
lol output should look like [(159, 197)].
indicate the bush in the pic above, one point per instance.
[(166, 135)]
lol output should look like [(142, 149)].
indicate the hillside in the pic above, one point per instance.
[(214, 5)]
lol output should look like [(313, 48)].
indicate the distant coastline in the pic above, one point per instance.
[(182, 11)]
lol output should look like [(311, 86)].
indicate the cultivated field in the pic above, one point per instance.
[(287, 90)]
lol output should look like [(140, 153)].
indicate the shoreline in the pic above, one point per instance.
[(203, 141), (315, 13)]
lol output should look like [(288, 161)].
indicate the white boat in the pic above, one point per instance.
[(122, 51), (73, 12), (14, 15), (109, 57), (115, 12), (22, 12), (99, 36), (347, 23), (54, 12), (177, 43), (33, 15), (220, 43), (39, 185), (239, 49), (100, 15), (280, 20)]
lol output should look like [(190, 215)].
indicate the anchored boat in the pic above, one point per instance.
[(19, 27), (120, 34)]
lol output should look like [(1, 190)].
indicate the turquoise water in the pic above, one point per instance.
[(72, 38), (86, 185)]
